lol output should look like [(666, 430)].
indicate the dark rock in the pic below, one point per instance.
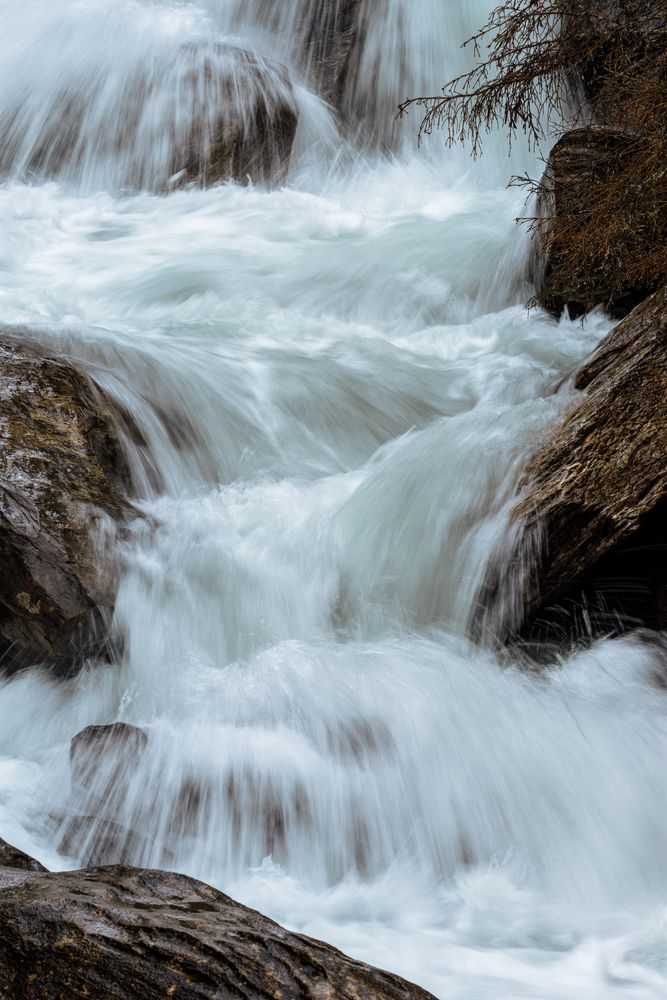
[(617, 30), (122, 932), (580, 161), (590, 543), (11, 857), (334, 29), (60, 472)]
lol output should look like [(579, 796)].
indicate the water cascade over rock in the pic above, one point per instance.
[(325, 389)]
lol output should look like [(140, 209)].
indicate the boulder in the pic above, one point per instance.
[(61, 473), (120, 932), (564, 276), (204, 113), (241, 121), (100, 754), (589, 538)]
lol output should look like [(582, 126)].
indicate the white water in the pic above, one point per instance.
[(337, 386)]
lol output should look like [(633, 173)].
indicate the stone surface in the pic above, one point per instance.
[(244, 127), (11, 857), (590, 543), (60, 470), (334, 29), (579, 161), (114, 933)]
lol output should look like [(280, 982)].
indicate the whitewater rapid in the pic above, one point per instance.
[(334, 387)]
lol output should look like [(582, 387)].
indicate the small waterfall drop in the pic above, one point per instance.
[(333, 386)]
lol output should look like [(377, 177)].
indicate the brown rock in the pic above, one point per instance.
[(250, 133), (60, 470), (589, 551), (580, 161), (11, 857), (124, 932)]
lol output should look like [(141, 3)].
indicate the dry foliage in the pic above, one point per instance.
[(546, 66)]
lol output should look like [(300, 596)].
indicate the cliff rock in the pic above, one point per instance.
[(590, 542)]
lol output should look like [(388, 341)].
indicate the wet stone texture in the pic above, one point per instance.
[(114, 933), (60, 478), (591, 546)]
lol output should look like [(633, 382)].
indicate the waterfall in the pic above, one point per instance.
[(333, 386)]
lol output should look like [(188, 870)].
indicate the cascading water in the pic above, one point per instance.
[(336, 386)]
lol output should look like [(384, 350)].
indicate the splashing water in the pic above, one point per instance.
[(336, 387)]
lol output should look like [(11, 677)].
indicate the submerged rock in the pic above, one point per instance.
[(242, 120), (204, 113), (60, 472), (102, 762), (105, 751), (119, 932), (590, 550)]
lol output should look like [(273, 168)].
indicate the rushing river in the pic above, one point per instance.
[(336, 385)]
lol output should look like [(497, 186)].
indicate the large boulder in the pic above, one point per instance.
[(578, 274), (119, 932), (200, 114), (11, 857), (602, 227), (241, 121), (589, 539), (61, 475)]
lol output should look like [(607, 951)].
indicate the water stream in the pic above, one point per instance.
[(336, 385)]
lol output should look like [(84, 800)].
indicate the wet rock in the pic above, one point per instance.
[(60, 477), (100, 755), (580, 161), (590, 544), (205, 113), (122, 932), (330, 44), (11, 857), (94, 841), (244, 125)]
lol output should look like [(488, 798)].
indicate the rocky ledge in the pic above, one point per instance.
[(61, 476), (120, 932), (590, 533)]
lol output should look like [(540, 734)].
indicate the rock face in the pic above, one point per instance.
[(98, 754), (60, 470), (334, 29), (580, 161), (594, 517), (124, 932), (602, 228)]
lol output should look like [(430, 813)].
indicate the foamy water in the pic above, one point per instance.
[(337, 386)]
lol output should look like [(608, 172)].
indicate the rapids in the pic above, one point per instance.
[(337, 385)]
